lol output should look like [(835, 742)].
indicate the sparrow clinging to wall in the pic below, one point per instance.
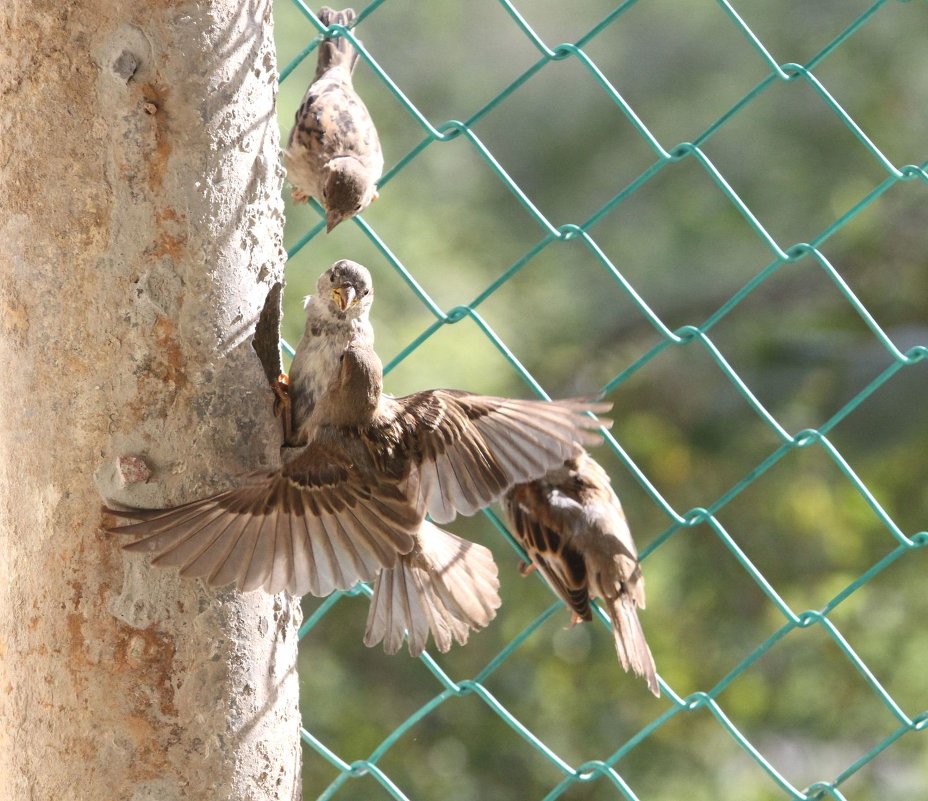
[(351, 505), (572, 527), (333, 152), (329, 517), (445, 585)]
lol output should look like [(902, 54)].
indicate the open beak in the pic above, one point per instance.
[(344, 296), (332, 218)]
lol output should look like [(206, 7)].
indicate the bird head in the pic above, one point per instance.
[(346, 290), (347, 190)]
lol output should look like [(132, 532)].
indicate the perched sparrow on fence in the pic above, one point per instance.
[(336, 315), (351, 505), (573, 529), (333, 153)]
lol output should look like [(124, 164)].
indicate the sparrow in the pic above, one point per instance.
[(571, 525), (335, 316), (333, 152), (354, 500), (445, 585)]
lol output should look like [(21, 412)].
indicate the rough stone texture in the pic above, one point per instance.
[(140, 236)]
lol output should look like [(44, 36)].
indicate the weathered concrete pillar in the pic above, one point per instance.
[(140, 239)]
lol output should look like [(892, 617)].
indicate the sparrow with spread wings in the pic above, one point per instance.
[(351, 505), (333, 153)]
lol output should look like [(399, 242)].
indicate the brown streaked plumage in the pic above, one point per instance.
[(333, 151), (445, 585), (354, 500), (573, 529)]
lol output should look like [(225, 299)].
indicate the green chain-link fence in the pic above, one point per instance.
[(714, 38)]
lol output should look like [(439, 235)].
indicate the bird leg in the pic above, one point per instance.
[(575, 619), (527, 568), (281, 389), (299, 196)]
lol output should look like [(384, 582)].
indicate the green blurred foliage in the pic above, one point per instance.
[(795, 341)]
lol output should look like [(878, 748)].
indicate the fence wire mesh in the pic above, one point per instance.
[(605, 759)]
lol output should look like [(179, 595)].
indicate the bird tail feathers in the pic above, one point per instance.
[(340, 51), (446, 585), (630, 643)]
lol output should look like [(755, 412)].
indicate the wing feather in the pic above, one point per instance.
[(305, 575), (214, 552), (186, 541), (328, 568), (282, 570), (470, 449), (258, 568), (237, 558), (318, 525), (446, 585)]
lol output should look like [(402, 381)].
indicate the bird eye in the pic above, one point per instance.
[(331, 278), (365, 293)]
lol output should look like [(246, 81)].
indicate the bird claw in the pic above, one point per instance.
[(299, 196), (575, 619), (527, 568), (281, 389)]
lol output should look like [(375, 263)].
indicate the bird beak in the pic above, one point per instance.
[(332, 218), (344, 296)]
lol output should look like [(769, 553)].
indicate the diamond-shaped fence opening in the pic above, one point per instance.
[(715, 214)]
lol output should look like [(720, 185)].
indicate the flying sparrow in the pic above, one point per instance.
[(333, 152), (446, 584), (572, 527)]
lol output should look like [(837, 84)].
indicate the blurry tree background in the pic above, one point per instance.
[(683, 246)]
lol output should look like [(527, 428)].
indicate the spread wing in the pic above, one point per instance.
[(469, 449), (544, 534), (318, 525)]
